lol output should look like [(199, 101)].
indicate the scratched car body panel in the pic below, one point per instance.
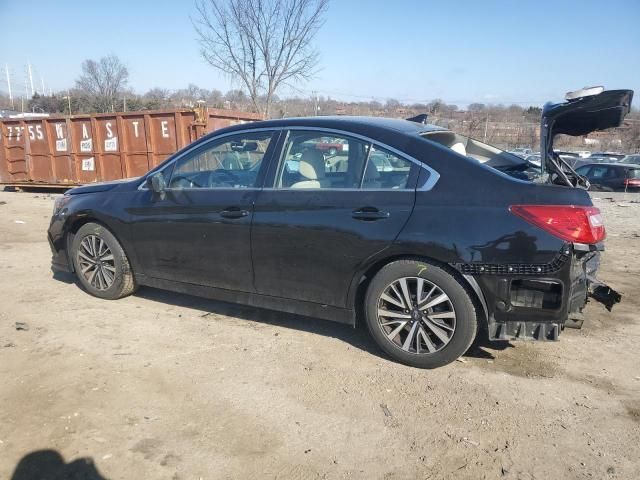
[(434, 244)]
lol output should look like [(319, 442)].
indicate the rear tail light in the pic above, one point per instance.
[(568, 222), (632, 182)]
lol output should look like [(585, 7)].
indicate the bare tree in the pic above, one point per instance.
[(264, 43), (103, 80)]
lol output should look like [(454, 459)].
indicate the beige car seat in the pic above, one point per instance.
[(459, 148), (313, 170), (371, 176)]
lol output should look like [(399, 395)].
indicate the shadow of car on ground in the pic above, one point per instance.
[(357, 337)]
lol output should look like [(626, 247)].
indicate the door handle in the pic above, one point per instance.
[(234, 212), (369, 214)]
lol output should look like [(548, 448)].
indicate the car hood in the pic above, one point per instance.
[(100, 187), (585, 111)]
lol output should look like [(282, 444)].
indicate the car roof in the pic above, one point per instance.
[(343, 122), (610, 164)]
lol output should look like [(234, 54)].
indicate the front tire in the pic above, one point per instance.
[(419, 314), (101, 265)]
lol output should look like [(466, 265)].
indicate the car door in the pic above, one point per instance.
[(596, 175), (198, 229), (615, 177), (326, 214), (584, 171)]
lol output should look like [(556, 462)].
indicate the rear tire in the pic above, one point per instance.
[(437, 327), (100, 263)]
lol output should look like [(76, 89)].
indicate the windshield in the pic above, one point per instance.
[(489, 155)]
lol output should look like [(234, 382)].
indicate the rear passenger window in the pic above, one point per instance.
[(316, 160), (385, 170), (598, 172)]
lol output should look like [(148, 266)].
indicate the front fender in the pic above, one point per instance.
[(103, 208)]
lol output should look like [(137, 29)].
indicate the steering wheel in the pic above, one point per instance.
[(181, 181), (228, 177)]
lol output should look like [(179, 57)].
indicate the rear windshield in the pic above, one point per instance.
[(634, 173), (486, 154)]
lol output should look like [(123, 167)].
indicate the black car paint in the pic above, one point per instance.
[(303, 251)]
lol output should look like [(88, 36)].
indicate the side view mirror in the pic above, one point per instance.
[(157, 182)]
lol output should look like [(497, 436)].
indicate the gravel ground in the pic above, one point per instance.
[(163, 385)]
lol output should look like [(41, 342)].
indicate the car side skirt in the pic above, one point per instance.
[(298, 307)]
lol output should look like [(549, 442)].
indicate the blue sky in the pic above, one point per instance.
[(523, 52)]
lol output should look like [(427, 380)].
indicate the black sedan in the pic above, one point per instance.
[(430, 244), (612, 177)]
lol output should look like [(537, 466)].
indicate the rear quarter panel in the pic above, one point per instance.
[(465, 218)]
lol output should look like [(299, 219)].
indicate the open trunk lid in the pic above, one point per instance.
[(586, 110)]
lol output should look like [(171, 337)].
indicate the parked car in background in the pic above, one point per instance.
[(564, 153), (428, 247), (633, 159), (382, 162), (583, 153), (534, 159), (579, 162), (332, 146), (614, 177), (521, 152), (612, 156)]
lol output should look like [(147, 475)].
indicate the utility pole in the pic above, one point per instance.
[(31, 79), (6, 69), (486, 125), (315, 108), (26, 92), (44, 92)]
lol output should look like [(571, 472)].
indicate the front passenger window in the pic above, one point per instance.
[(229, 162)]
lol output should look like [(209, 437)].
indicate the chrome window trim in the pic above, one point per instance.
[(202, 189), (433, 178), (339, 189)]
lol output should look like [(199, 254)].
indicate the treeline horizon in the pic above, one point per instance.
[(506, 126)]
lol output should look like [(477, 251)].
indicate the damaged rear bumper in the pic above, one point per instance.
[(537, 301)]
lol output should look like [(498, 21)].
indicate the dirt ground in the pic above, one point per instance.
[(168, 386)]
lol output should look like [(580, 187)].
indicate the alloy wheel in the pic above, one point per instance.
[(96, 261), (416, 315)]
